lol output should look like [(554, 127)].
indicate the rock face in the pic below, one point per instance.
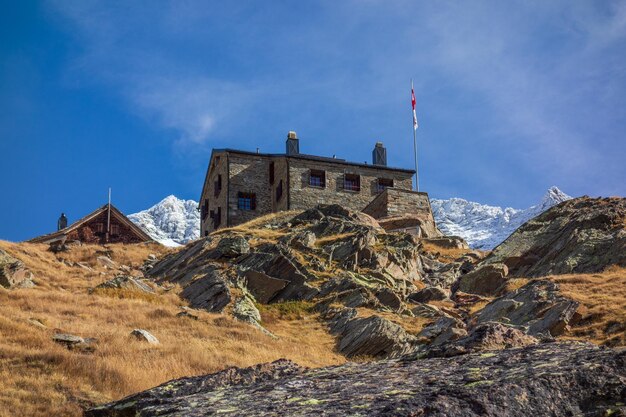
[(209, 291), (13, 272), (369, 336), (536, 306), (577, 236), (562, 379), (485, 280)]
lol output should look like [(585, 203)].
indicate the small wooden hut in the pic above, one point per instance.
[(105, 225)]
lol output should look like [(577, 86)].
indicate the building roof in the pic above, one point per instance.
[(59, 234), (317, 158)]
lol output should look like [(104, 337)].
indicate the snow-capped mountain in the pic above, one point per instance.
[(172, 222), (483, 226)]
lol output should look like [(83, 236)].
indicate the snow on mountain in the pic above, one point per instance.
[(483, 226), (172, 222)]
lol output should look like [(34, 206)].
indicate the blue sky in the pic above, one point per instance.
[(512, 97)]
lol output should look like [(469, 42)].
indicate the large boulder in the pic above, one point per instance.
[(263, 287), (231, 247), (560, 380), (577, 236), (210, 291), (485, 280), (371, 336), (13, 272), (537, 306)]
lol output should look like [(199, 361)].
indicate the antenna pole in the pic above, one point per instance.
[(109, 216)]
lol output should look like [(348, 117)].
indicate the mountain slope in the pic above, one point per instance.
[(483, 226), (172, 221)]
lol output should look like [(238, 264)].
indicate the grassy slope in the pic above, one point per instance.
[(41, 378)]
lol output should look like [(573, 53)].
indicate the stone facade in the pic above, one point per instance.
[(240, 186), (406, 210)]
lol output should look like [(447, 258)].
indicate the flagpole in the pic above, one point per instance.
[(417, 182), (109, 217)]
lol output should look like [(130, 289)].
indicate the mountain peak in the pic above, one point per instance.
[(172, 221), (553, 197)]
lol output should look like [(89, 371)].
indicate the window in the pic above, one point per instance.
[(206, 232), (218, 185), (271, 173), (246, 201), (205, 209), (383, 183), (115, 229), (351, 182), (216, 215), (317, 178), (279, 190), (98, 227)]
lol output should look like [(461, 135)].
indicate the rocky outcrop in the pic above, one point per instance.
[(373, 336), (210, 291), (562, 379), (580, 235), (13, 272), (484, 337), (537, 307), (484, 280)]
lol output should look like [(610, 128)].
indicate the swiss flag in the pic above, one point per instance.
[(413, 105)]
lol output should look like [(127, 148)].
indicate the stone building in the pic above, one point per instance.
[(240, 186)]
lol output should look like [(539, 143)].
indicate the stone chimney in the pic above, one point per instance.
[(293, 143), (379, 154)]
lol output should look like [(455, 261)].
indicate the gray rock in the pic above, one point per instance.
[(557, 380), (440, 327), (127, 283), (209, 292), (73, 342), (537, 306), (372, 336), (429, 294), (13, 272), (484, 280), (484, 337), (388, 298), (263, 287), (144, 336), (231, 247), (245, 310)]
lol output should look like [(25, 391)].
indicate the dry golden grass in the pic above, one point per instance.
[(603, 305), (446, 254), (41, 378)]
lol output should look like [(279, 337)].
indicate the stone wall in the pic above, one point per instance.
[(217, 202), (248, 174), (303, 196), (400, 209)]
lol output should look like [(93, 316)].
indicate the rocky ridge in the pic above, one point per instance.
[(370, 288)]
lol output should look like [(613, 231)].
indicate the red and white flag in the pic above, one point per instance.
[(413, 105)]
